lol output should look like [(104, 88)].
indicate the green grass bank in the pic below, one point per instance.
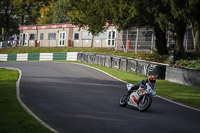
[(13, 118)]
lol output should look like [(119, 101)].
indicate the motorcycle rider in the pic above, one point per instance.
[(151, 79)]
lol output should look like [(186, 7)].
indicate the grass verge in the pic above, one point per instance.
[(186, 95), (13, 118)]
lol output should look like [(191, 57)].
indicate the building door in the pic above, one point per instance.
[(111, 38), (24, 39), (62, 38)]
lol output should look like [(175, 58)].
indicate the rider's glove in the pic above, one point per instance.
[(143, 86)]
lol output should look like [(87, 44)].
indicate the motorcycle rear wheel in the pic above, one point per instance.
[(144, 105), (124, 100)]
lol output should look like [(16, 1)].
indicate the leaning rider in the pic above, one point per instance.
[(151, 79)]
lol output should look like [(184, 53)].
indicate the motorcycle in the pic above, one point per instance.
[(140, 98)]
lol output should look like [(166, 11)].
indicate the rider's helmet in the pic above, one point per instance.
[(152, 79)]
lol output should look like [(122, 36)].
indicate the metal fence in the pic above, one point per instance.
[(63, 43), (136, 39), (187, 42)]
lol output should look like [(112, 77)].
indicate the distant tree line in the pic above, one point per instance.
[(163, 16), (18, 12)]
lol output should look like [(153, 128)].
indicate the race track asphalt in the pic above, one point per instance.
[(73, 98)]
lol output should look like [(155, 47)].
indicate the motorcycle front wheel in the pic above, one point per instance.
[(143, 105), (124, 100)]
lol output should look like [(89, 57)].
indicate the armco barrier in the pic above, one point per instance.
[(132, 66), (161, 71), (79, 56), (142, 68), (46, 56), (116, 62), (84, 57), (3, 57), (108, 61), (173, 74), (183, 76), (125, 64), (11, 57), (101, 60), (60, 56), (95, 59), (33, 56), (91, 58), (157, 70), (70, 56), (22, 57)]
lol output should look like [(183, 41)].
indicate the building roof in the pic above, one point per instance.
[(52, 26)]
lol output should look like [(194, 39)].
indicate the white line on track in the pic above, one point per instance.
[(22, 104)]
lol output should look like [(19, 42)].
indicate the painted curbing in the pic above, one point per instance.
[(3, 57), (68, 56)]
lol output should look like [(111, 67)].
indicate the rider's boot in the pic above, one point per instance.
[(135, 87)]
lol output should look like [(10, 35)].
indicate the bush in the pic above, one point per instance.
[(183, 63), (195, 65)]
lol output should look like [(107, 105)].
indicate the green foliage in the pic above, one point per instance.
[(195, 64), (7, 19), (93, 13), (46, 14), (192, 60), (60, 11), (27, 11), (183, 63), (155, 57)]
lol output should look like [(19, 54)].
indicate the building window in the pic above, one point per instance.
[(32, 37), (101, 36), (52, 36), (111, 38), (86, 35), (76, 36), (41, 36)]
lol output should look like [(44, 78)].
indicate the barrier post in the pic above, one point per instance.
[(128, 44)]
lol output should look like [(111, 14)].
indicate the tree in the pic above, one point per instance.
[(123, 14), (90, 14), (194, 20), (184, 14), (149, 13), (60, 11), (27, 11), (45, 14), (8, 20), (55, 12)]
